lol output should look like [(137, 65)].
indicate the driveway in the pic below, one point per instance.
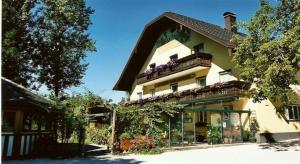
[(251, 153)]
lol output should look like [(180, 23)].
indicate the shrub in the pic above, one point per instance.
[(99, 135), (125, 136), (246, 135), (214, 135), (125, 142), (141, 144)]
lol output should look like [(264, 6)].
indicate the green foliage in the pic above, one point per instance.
[(246, 135), (150, 120), (99, 135), (45, 42), (62, 41), (16, 44), (214, 134), (254, 127), (6, 127), (182, 35), (142, 144), (270, 55), (74, 119), (125, 136)]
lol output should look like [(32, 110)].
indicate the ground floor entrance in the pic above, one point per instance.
[(213, 126)]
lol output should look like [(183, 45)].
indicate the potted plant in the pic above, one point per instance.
[(125, 141), (214, 134), (171, 64)]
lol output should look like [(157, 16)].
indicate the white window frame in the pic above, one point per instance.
[(198, 79), (294, 110)]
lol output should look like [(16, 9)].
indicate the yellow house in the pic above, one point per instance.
[(181, 59)]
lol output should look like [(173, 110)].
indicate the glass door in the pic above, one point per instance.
[(231, 126)]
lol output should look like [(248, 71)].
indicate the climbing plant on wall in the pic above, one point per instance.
[(180, 34)]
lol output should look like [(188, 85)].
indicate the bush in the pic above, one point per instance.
[(246, 135), (142, 144), (125, 136), (99, 135), (125, 142), (214, 135)]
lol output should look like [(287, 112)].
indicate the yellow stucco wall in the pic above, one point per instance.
[(266, 115), (269, 120), (161, 55)]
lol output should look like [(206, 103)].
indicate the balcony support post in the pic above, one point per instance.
[(182, 128), (169, 132)]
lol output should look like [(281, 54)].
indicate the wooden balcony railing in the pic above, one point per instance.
[(188, 62), (227, 89)]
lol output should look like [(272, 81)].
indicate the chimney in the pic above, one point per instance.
[(230, 21)]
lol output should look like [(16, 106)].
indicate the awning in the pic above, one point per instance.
[(215, 100), (214, 110)]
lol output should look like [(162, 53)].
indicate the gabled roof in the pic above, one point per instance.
[(153, 30), (14, 94)]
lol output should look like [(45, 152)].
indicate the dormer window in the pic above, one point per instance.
[(174, 57), (152, 66), (199, 48)]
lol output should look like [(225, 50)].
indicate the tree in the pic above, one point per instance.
[(74, 119), (61, 39), (269, 55), (16, 43)]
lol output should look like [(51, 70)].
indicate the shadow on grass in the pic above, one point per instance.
[(281, 146)]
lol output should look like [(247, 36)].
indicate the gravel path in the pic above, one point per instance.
[(243, 154)]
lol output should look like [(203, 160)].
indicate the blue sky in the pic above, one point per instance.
[(117, 25)]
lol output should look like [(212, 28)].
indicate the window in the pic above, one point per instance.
[(152, 92), (293, 112), (174, 57), (31, 122), (152, 66), (199, 48), (174, 87), (140, 94), (8, 121), (202, 117), (226, 76), (201, 82)]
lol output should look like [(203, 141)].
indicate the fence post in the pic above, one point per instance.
[(113, 130)]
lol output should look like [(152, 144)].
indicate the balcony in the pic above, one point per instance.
[(196, 61), (231, 89)]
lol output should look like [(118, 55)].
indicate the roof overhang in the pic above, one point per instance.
[(15, 95)]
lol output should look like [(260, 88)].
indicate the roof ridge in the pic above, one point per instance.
[(198, 20)]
